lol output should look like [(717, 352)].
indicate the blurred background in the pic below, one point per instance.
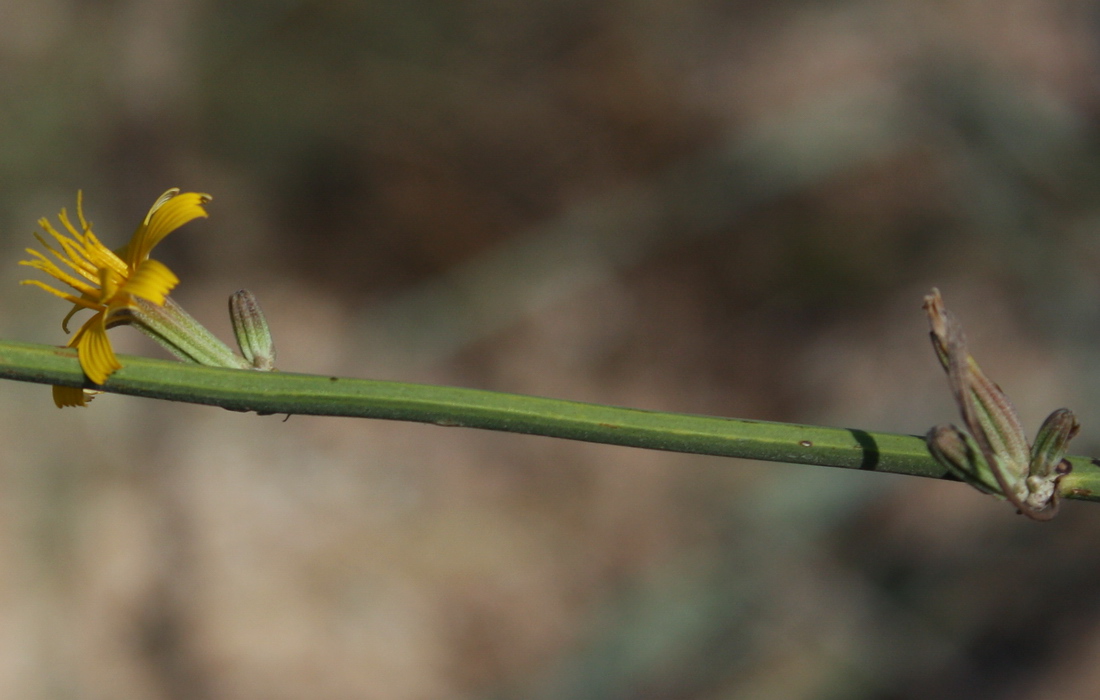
[(725, 207)]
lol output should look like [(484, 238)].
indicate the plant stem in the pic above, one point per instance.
[(283, 392)]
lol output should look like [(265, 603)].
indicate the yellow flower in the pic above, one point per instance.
[(108, 281)]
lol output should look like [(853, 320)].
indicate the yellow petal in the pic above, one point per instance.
[(168, 194), (73, 255), (167, 215), (101, 256), (70, 396), (50, 268), (93, 348), (80, 301), (109, 284), (152, 280)]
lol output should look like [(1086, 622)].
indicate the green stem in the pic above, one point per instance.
[(282, 392)]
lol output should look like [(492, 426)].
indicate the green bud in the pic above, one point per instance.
[(1048, 462), (250, 327), (1049, 451)]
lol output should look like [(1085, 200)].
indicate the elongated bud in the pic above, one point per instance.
[(956, 450), (253, 334)]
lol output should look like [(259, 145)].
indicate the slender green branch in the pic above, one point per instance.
[(282, 392)]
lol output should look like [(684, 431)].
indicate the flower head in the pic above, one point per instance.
[(108, 282)]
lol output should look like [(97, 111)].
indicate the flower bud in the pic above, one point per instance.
[(250, 327)]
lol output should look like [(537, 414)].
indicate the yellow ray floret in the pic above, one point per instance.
[(105, 281)]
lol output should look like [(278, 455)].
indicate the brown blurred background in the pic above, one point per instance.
[(712, 207)]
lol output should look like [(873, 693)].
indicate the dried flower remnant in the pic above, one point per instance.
[(992, 453)]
